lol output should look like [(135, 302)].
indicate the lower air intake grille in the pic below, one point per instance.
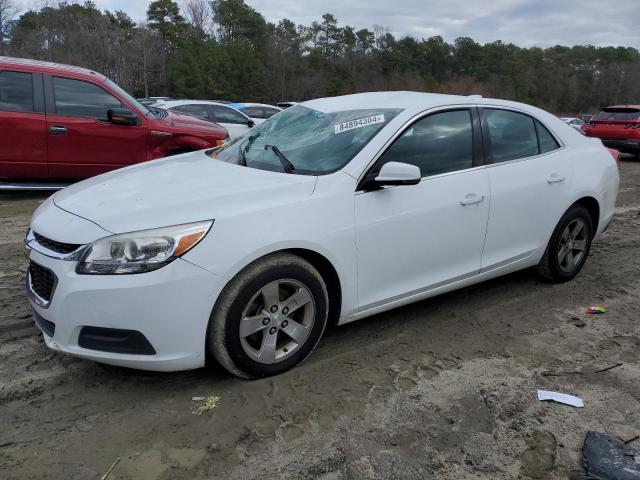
[(42, 281)]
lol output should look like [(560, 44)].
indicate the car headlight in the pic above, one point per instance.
[(142, 251)]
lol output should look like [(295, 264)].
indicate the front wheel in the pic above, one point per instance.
[(568, 247), (269, 317)]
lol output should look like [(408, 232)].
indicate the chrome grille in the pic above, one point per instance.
[(55, 246)]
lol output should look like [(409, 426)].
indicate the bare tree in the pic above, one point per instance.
[(198, 13), (8, 11)]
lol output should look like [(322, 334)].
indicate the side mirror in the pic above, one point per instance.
[(397, 173), (251, 124), (122, 116)]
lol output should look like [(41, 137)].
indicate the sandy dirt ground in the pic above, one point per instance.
[(442, 389)]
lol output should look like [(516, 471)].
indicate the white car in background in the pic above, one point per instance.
[(258, 112), (332, 211), (236, 122), (576, 123)]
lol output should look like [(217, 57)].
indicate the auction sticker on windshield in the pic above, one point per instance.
[(359, 122)]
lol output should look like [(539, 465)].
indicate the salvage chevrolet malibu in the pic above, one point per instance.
[(333, 210)]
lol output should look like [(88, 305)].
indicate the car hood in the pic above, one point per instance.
[(181, 189)]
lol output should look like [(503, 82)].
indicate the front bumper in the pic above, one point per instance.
[(170, 307)]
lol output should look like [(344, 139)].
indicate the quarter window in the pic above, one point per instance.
[(77, 98), (439, 143), (16, 91), (228, 115), (547, 142), (512, 135)]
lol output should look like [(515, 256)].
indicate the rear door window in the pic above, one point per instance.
[(254, 112), (77, 98), (197, 109), (511, 135), (270, 112), (16, 91), (227, 115)]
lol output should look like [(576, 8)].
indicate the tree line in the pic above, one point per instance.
[(225, 49)]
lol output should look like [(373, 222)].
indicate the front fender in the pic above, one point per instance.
[(190, 142)]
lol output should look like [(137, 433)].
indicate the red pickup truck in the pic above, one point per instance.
[(618, 127), (61, 123)]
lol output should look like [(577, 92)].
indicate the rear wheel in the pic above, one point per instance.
[(568, 247), (269, 317)]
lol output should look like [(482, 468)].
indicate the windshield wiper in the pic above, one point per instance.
[(243, 150), (287, 166)]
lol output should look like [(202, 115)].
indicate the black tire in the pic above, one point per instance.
[(549, 269), (223, 336)]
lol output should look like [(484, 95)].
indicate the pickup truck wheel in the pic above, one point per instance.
[(269, 317)]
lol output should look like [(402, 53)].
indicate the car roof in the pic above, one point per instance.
[(251, 104), (402, 100), (177, 103), (50, 68), (634, 107)]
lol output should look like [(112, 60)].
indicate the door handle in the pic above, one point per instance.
[(555, 178), (471, 199), (58, 130)]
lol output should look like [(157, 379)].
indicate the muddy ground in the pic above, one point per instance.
[(442, 389)]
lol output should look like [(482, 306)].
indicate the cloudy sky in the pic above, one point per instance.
[(523, 22)]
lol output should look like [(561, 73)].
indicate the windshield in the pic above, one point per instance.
[(127, 97), (618, 114), (312, 142)]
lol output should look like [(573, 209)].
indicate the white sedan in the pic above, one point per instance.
[(334, 210), (235, 122)]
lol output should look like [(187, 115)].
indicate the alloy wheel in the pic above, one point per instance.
[(277, 321), (573, 245)]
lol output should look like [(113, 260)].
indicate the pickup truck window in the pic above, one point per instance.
[(76, 98), (16, 91)]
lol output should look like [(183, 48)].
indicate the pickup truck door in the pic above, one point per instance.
[(23, 154), (81, 142)]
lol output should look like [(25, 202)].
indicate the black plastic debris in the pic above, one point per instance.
[(606, 458)]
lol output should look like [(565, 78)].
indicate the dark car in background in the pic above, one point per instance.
[(60, 123), (618, 127)]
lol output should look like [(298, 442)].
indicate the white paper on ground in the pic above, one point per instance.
[(561, 398)]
